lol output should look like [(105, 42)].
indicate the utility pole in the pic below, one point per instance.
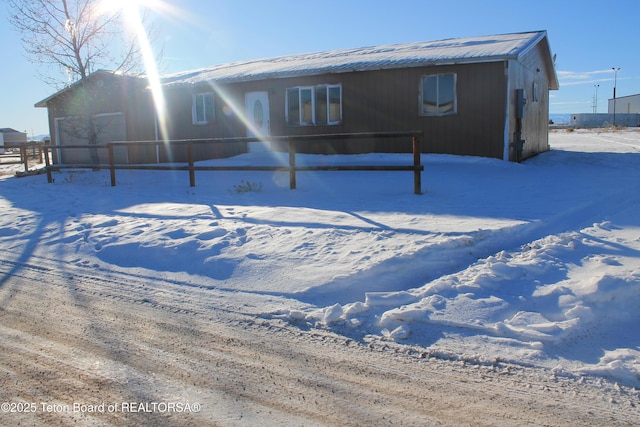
[(595, 104), (615, 83)]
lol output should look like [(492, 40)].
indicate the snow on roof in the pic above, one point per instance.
[(93, 75), (459, 50)]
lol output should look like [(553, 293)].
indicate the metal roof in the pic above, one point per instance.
[(450, 51), (94, 75)]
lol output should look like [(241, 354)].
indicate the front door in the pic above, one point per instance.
[(257, 110)]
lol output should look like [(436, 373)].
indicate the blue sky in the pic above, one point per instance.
[(589, 38)]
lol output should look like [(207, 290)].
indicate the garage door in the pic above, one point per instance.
[(73, 131)]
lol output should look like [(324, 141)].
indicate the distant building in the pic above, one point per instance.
[(11, 138), (599, 120), (627, 113), (625, 105)]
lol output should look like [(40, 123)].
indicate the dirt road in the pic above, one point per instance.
[(85, 347)]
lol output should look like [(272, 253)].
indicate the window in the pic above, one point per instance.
[(203, 110), (334, 100), (438, 95), (319, 105), (306, 106)]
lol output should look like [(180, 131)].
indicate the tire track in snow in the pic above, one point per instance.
[(95, 339)]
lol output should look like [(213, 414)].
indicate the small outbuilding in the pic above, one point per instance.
[(481, 96)]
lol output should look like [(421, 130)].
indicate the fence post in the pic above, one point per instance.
[(23, 157), (417, 173), (112, 170), (47, 164), (292, 164), (192, 173)]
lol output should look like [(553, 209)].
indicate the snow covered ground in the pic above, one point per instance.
[(535, 263)]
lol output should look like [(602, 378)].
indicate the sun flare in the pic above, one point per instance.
[(132, 13)]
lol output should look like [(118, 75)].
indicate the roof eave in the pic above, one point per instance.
[(552, 76), (43, 103), (324, 71)]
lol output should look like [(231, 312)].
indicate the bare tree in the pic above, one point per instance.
[(74, 38)]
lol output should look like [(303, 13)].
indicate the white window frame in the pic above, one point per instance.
[(314, 116), (455, 96), (200, 98), (328, 104)]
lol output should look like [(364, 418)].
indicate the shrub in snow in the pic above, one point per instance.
[(248, 187)]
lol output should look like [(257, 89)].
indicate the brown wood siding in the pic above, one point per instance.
[(140, 114), (110, 94), (373, 101), (225, 124)]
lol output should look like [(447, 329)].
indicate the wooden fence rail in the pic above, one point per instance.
[(416, 167), (23, 154)]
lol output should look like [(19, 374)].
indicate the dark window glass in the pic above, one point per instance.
[(438, 94), (306, 106), (446, 98), (293, 106), (321, 105), (203, 108), (309, 106), (335, 104)]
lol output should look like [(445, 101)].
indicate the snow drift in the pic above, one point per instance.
[(535, 263)]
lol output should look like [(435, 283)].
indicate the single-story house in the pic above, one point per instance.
[(481, 96)]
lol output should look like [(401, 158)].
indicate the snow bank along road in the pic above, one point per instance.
[(107, 348), (149, 304)]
